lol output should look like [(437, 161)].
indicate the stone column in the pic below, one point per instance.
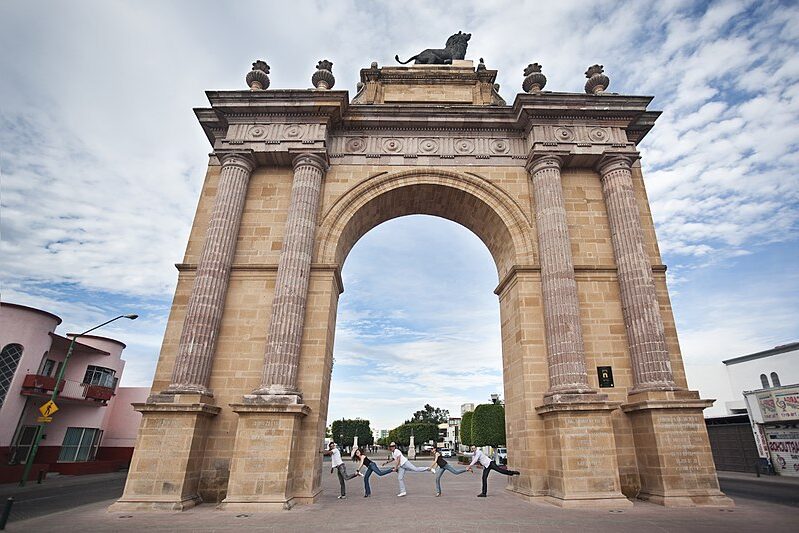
[(564, 337), (293, 272), (204, 312), (645, 333)]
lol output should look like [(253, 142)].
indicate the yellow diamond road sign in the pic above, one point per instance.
[(48, 409)]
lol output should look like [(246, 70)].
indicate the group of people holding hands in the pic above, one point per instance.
[(401, 465)]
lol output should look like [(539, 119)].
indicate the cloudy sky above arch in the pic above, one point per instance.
[(102, 158)]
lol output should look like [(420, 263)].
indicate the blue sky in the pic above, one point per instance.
[(101, 162)]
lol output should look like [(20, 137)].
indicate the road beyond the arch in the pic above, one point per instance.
[(457, 510)]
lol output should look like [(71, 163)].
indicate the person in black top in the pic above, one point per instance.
[(371, 466), (443, 465)]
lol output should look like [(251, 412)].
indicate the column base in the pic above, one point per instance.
[(165, 469), (261, 469), (675, 462), (582, 469)]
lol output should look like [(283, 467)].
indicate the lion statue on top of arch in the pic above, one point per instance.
[(454, 49)]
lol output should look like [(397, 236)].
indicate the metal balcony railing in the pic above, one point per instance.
[(35, 384)]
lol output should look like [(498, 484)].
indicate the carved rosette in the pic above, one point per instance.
[(534, 81), (597, 81), (323, 77), (258, 79)]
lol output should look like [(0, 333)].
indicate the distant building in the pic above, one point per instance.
[(95, 427), (448, 433), (754, 424), (466, 407)]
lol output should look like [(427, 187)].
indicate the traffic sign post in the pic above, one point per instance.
[(48, 409)]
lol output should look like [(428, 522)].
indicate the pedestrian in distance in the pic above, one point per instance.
[(402, 465), (488, 466), (443, 466), (340, 468), (371, 467)]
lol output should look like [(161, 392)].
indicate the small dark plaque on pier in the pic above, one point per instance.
[(605, 374)]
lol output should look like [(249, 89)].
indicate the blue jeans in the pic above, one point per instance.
[(372, 468), (456, 471)]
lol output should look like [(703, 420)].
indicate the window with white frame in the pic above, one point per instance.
[(48, 365), (98, 375), (9, 359), (80, 444)]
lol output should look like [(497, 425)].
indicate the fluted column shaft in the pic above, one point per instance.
[(564, 337), (293, 273), (192, 368), (645, 333)]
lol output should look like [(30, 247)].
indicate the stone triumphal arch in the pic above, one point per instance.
[(552, 186)]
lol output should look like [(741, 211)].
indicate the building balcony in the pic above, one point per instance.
[(36, 385)]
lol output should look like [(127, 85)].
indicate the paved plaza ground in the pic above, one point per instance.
[(458, 510)]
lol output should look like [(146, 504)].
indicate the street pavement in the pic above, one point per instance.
[(458, 509)]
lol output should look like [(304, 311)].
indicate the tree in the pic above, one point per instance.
[(430, 415), (422, 432), (466, 428), (488, 425), (344, 431)]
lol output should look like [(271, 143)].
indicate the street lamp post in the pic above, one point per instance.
[(40, 427)]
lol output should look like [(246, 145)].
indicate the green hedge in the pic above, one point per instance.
[(422, 432), (350, 428), (466, 428), (488, 425)]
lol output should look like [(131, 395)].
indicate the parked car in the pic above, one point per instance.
[(427, 447), (502, 456), (446, 452)]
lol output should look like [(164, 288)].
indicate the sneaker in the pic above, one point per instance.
[(438, 494), (481, 495), (401, 494), (365, 495)]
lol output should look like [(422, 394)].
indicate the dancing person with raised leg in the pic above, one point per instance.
[(443, 466), (340, 468), (371, 467), (402, 465), (488, 466)]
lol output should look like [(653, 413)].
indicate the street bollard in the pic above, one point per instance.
[(42, 473), (6, 513)]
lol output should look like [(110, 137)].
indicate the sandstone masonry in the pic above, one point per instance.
[(551, 184)]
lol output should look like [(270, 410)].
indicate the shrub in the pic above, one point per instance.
[(488, 425), (466, 428)]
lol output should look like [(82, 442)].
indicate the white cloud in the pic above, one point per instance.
[(101, 158)]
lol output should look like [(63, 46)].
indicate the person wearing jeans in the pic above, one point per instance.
[(340, 468), (402, 465), (371, 466), (488, 466), (443, 466)]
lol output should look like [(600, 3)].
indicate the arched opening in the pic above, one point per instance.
[(418, 324), (506, 231)]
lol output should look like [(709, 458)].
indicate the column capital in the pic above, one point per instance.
[(240, 158), (616, 160), (310, 158), (538, 160)]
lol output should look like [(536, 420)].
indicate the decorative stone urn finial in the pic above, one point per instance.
[(257, 78), (597, 81), (323, 77), (534, 81)]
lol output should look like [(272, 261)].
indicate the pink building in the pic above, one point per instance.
[(95, 427)]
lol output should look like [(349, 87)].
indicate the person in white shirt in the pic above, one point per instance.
[(402, 465), (488, 466), (340, 468)]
